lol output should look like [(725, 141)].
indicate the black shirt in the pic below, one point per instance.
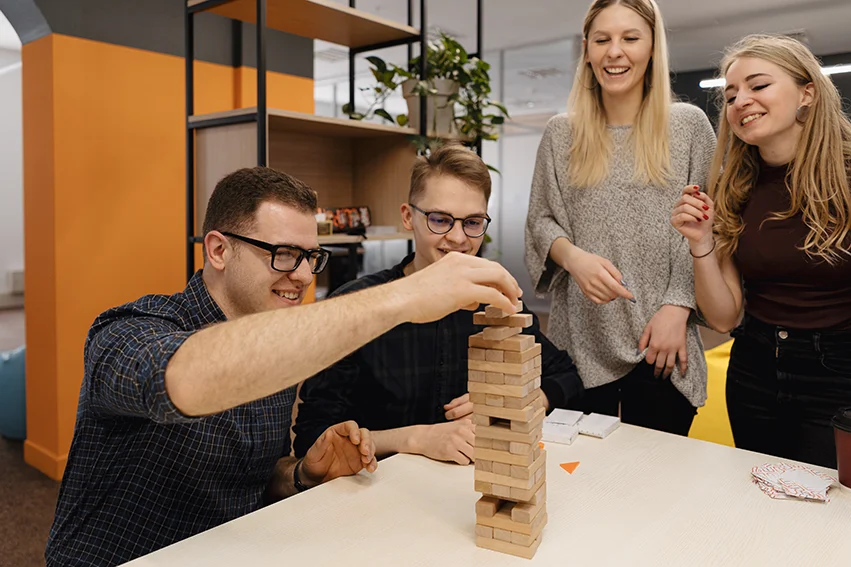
[(405, 376)]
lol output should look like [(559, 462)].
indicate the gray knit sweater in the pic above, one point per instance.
[(629, 224)]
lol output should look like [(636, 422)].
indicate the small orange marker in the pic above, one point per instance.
[(569, 467), (541, 444)]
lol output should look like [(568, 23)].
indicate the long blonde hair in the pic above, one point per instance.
[(818, 176), (590, 148)]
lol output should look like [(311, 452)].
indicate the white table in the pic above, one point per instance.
[(638, 497)]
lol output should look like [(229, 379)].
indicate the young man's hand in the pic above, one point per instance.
[(452, 441), (342, 450), (459, 408)]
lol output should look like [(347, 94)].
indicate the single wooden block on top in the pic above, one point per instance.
[(500, 333), (492, 311), (516, 343), (521, 320)]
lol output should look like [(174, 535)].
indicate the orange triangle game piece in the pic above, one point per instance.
[(541, 444), (569, 467)]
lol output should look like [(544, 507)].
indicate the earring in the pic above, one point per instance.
[(802, 113)]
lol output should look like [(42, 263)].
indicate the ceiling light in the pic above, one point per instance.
[(832, 70)]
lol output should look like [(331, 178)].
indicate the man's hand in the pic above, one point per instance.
[(456, 281), (452, 441), (342, 450), (458, 408), (664, 338)]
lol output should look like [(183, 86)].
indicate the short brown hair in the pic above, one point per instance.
[(238, 195), (454, 160)]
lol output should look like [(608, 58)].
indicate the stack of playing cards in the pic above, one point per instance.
[(562, 426), (792, 482)]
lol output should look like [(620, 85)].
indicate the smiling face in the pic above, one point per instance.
[(762, 100), (618, 46), (445, 194), (250, 285)]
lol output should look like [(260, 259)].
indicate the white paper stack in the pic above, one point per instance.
[(792, 482), (563, 426), (598, 425)]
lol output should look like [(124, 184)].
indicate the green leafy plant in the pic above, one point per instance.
[(476, 114)]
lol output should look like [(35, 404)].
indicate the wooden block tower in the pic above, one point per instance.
[(508, 410)]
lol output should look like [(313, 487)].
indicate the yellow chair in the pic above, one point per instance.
[(711, 423)]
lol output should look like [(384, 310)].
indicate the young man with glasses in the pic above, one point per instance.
[(409, 386), (184, 411)]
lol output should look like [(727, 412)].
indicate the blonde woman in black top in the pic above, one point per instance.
[(779, 208)]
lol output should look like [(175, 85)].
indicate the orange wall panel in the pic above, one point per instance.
[(104, 153)]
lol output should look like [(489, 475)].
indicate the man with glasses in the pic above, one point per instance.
[(409, 386), (184, 411)]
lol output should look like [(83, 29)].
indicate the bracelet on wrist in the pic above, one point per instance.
[(299, 486), (703, 255)]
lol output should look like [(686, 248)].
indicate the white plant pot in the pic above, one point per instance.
[(440, 112)]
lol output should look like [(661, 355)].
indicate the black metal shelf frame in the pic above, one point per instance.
[(261, 116)]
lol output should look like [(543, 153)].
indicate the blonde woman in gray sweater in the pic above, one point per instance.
[(598, 235)]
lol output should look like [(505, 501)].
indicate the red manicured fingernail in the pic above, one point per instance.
[(705, 217), (705, 207)]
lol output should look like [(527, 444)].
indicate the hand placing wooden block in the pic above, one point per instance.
[(492, 311)]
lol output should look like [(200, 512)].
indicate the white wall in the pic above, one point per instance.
[(11, 168)]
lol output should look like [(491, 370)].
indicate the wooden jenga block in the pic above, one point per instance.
[(484, 443), (486, 466), (524, 448), (511, 481), (484, 531), (501, 535), (494, 378), (505, 456), (504, 367), (505, 390), (483, 487), (538, 526), (523, 415), (494, 401), (477, 398), (500, 445), (492, 311), (503, 432), (487, 506), (484, 420), (520, 403), (516, 343), (476, 376), (476, 353), (500, 333), (527, 425), (520, 357), (521, 320), (537, 360), (540, 474), (502, 469), (525, 512), (500, 490), (493, 355), (523, 495), (509, 548), (521, 379)]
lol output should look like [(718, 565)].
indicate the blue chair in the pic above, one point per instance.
[(13, 395)]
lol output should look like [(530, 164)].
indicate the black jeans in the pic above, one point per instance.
[(783, 387), (644, 400)]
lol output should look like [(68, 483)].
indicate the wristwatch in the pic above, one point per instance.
[(299, 486)]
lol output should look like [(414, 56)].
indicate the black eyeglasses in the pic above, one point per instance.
[(440, 223), (286, 257)]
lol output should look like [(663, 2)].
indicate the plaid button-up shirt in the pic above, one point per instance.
[(140, 475), (405, 376)]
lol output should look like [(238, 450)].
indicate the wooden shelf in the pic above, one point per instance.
[(299, 122), (353, 239), (318, 19)]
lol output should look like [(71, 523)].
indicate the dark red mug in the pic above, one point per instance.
[(842, 432)]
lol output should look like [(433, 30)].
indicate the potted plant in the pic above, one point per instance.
[(456, 89)]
